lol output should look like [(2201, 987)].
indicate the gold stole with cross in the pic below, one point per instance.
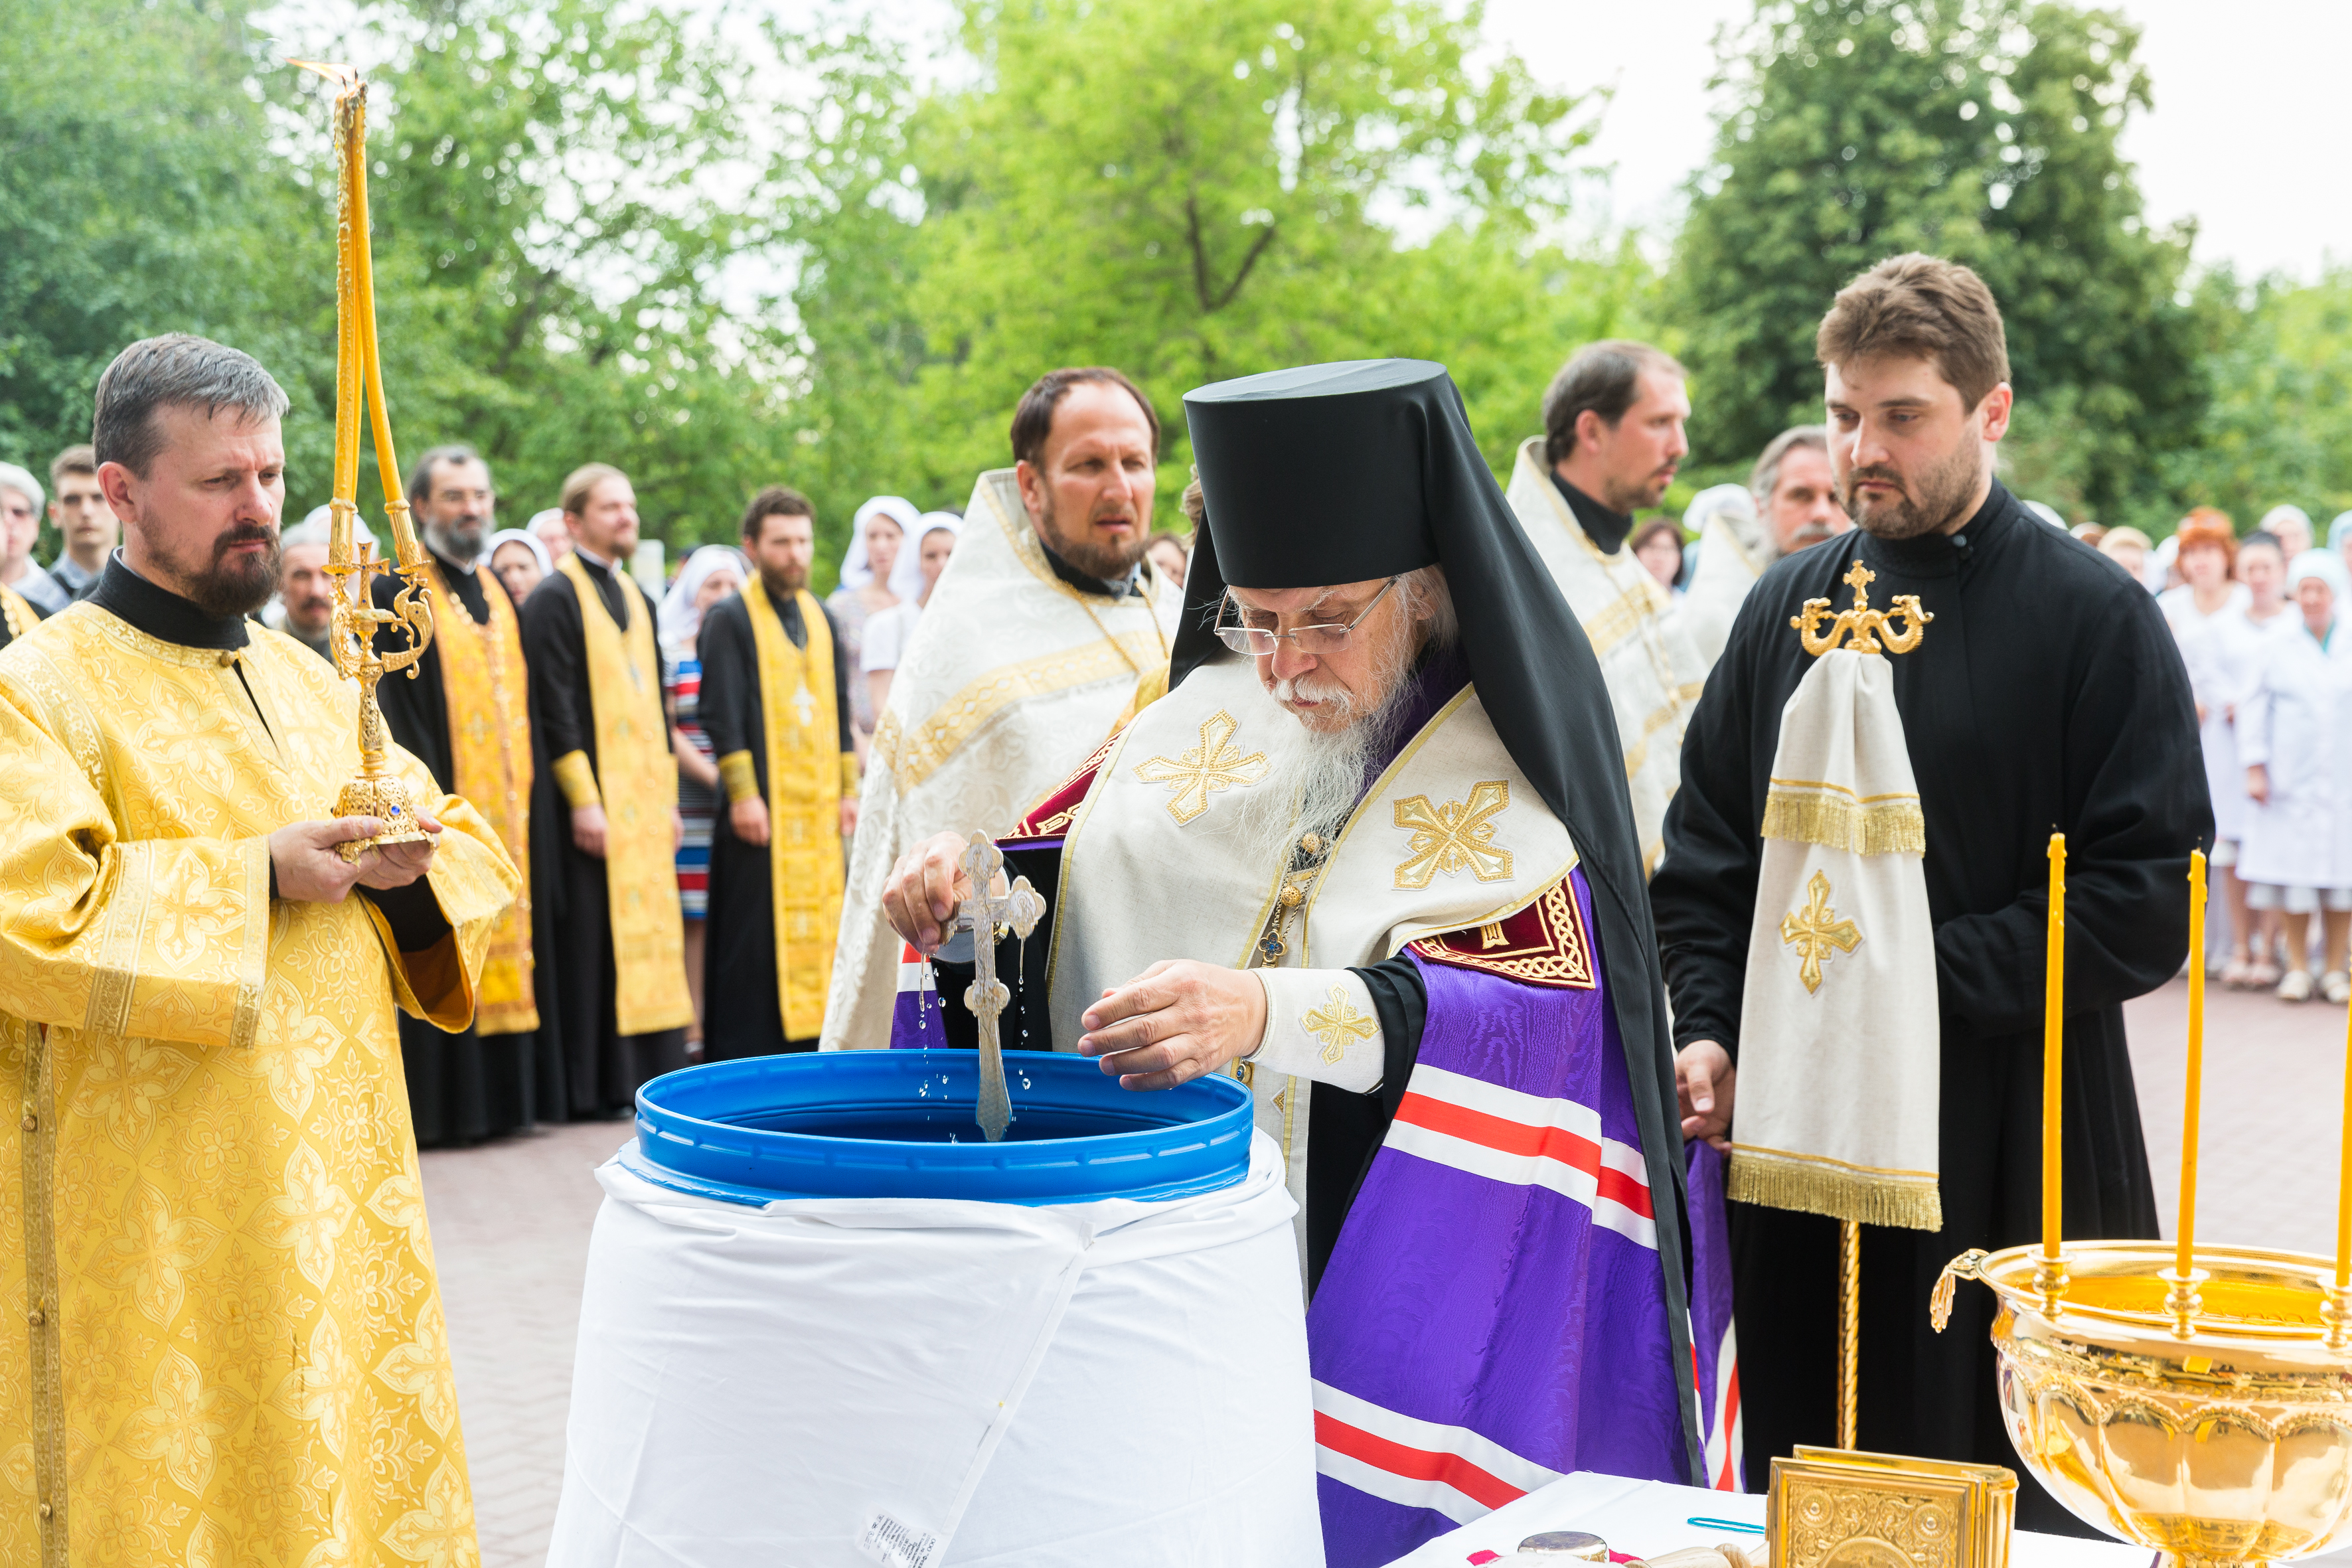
[(804, 786), (638, 777), (483, 681)]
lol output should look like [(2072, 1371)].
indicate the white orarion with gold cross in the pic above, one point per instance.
[(1839, 1045)]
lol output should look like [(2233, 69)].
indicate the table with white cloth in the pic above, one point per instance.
[(1649, 1518)]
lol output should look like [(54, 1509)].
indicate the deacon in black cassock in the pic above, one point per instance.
[(492, 1078), (2046, 697), (610, 799), (776, 707)]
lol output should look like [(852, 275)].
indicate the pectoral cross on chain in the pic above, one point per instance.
[(982, 913)]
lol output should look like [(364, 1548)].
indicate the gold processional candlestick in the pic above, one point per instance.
[(377, 791)]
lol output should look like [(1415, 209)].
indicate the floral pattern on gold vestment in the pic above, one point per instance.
[(216, 1231)]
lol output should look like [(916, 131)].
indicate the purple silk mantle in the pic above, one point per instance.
[(1493, 1315)]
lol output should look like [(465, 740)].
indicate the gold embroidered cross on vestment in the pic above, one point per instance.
[(1814, 930), (1338, 1024), (1457, 834), (1863, 625), (1214, 765)]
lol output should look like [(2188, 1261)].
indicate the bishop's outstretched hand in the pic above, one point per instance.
[(1704, 1080), (926, 886)]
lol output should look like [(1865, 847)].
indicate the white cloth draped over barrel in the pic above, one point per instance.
[(1011, 680), (1636, 631)]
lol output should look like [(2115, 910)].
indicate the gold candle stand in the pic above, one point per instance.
[(351, 561)]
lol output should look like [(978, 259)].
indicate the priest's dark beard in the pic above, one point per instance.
[(1942, 491), (221, 589), (1108, 561), (783, 587)]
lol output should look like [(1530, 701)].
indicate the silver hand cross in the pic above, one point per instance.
[(1019, 908)]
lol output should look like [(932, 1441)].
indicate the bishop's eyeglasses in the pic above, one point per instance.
[(1316, 640)]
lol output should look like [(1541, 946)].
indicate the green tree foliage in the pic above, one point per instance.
[(2280, 428), (1194, 193), (1981, 129)]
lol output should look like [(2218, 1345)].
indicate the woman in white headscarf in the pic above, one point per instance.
[(879, 571), (709, 574), (2294, 738), (518, 560), (887, 633)]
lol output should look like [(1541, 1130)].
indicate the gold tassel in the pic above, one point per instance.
[(1912, 1202), (1880, 827)]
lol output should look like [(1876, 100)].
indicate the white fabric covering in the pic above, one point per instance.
[(2223, 652), (1840, 1080), (1733, 550), (1114, 1382)]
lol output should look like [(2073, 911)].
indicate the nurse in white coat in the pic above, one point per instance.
[(2295, 737)]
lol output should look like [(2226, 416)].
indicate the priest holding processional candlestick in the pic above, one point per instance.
[(1852, 906), (1375, 854), (218, 882)]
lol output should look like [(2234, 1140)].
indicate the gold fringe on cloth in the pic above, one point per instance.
[(1814, 1184), (1824, 815)]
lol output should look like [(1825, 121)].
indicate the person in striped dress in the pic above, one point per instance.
[(711, 573)]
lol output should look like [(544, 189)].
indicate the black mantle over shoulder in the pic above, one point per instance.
[(2047, 695)]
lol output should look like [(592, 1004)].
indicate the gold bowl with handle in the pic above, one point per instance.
[(2208, 1419)]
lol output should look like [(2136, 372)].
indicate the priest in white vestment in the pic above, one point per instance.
[(1788, 503), (1048, 629), (1372, 855), (1612, 439)]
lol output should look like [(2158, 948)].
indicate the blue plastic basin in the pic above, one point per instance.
[(898, 1124)]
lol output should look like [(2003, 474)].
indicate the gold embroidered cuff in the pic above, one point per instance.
[(1321, 1024), (849, 775), (742, 779), (577, 780)]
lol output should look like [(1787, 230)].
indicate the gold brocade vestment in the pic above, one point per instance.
[(808, 772), (487, 689), (636, 781), (229, 1346)]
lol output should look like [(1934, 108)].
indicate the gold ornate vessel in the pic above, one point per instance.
[(2208, 1419)]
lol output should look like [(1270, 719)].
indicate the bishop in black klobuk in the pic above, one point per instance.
[(1407, 867)]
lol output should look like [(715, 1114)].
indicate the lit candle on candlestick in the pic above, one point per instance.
[(2344, 1176), (2053, 1051), (2188, 1240)]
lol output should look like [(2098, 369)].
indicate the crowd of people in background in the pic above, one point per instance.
[(2255, 619)]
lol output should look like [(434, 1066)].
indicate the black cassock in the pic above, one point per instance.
[(2047, 695), (466, 1087), (742, 1014), (602, 1067)]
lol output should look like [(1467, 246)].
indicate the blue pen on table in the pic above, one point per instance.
[(1727, 1524)]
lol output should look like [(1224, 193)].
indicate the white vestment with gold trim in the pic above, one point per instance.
[(1636, 631), (1011, 679), (1450, 837)]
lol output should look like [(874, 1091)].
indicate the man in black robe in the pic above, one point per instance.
[(2047, 697), (605, 1052), (768, 989), (486, 1080)]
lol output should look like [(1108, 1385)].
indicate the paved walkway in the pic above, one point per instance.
[(511, 1224)]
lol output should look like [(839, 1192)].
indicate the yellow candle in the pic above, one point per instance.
[(2053, 1050), (2344, 1176), (2188, 1241)]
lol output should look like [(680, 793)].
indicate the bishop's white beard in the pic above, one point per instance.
[(1313, 777)]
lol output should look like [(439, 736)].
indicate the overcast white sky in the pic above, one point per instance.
[(2250, 133)]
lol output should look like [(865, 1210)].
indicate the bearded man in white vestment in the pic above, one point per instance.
[(1612, 439), (1048, 630), (1372, 856), (1788, 503)]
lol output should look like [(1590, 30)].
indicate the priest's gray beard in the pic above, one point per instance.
[(1313, 777)]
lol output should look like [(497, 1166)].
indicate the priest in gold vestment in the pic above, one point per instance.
[(596, 681), (231, 1346), (465, 714), (775, 701)]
